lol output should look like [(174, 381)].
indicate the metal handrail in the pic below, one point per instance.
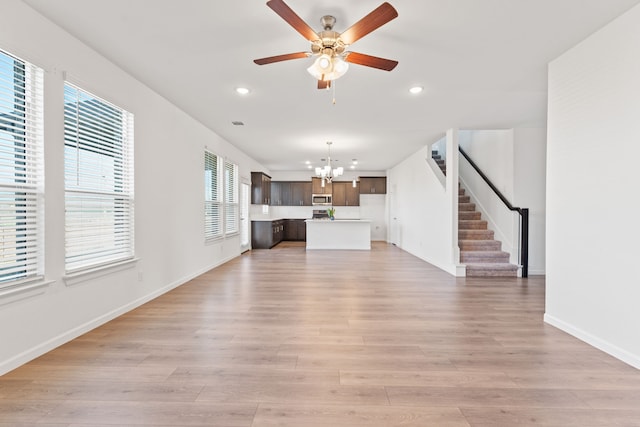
[(524, 216)]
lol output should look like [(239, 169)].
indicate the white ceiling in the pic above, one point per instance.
[(482, 63)]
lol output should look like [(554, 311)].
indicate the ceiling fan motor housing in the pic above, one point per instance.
[(329, 43)]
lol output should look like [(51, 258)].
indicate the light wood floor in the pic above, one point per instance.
[(283, 337)]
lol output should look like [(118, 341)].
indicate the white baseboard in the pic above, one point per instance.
[(607, 347), (40, 349)]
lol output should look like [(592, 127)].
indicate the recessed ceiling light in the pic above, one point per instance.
[(242, 90), (354, 161), (416, 90)]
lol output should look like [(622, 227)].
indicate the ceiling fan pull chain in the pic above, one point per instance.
[(333, 86)]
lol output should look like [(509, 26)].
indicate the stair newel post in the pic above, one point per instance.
[(524, 242)]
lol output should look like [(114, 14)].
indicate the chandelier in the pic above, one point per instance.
[(327, 173)]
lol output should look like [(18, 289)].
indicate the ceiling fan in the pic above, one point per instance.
[(330, 47)]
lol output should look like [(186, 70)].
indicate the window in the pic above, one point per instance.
[(21, 171), (98, 174), (212, 198), (231, 205), (220, 197)]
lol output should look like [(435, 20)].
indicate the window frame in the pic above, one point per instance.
[(21, 173), (98, 183), (213, 205), (231, 210), (221, 197)]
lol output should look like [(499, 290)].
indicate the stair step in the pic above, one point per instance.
[(472, 224), (436, 157), (464, 199), (484, 257), (479, 245), (492, 270), (461, 191), (475, 234), (467, 215), (466, 207)]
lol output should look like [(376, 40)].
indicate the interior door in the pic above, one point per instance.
[(245, 239)]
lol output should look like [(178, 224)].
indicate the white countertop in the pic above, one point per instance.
[(337, 220)]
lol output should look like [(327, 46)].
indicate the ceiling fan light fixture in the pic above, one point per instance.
[(328, 68), (340, 67), (321, 67)]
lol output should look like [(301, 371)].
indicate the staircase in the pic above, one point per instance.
[(479, 250)]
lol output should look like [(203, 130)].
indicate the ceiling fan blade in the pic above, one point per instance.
[(370, 61), (278, 58), (324, 84), (286, 13), (376, 19)]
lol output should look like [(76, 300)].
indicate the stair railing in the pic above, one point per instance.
[(524, 217)]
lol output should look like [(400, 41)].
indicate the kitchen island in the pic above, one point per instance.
[(338, 234)]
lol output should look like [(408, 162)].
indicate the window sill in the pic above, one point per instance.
[(23, 290), (76, 278)]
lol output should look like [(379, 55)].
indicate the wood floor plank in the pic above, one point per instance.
[(483, 397), (295, 394), (286, 337), (270, 415), (427, 378), (153, 414), (550, 417)]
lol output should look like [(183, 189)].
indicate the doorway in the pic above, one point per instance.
[(245, 240)]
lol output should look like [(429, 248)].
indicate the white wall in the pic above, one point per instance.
[(169, 189), (530, 181), (424, 214), (593, 283), (515, 161)]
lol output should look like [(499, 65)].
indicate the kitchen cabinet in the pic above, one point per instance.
[(373, 185), (260, 188), (317, 188), (266, 234), (295, 230), (280, 193), (301, 194), (290, 193), (344, 194)]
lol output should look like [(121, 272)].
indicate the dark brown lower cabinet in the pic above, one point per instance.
[(295, 230), (266, 234)]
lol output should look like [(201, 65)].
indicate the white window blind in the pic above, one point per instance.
[(21, 171), (212, 197), (231, 205), (99, 202)]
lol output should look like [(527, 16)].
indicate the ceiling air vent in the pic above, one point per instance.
[(237, 123)]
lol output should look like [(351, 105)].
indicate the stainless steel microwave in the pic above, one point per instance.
[(321, 199)]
